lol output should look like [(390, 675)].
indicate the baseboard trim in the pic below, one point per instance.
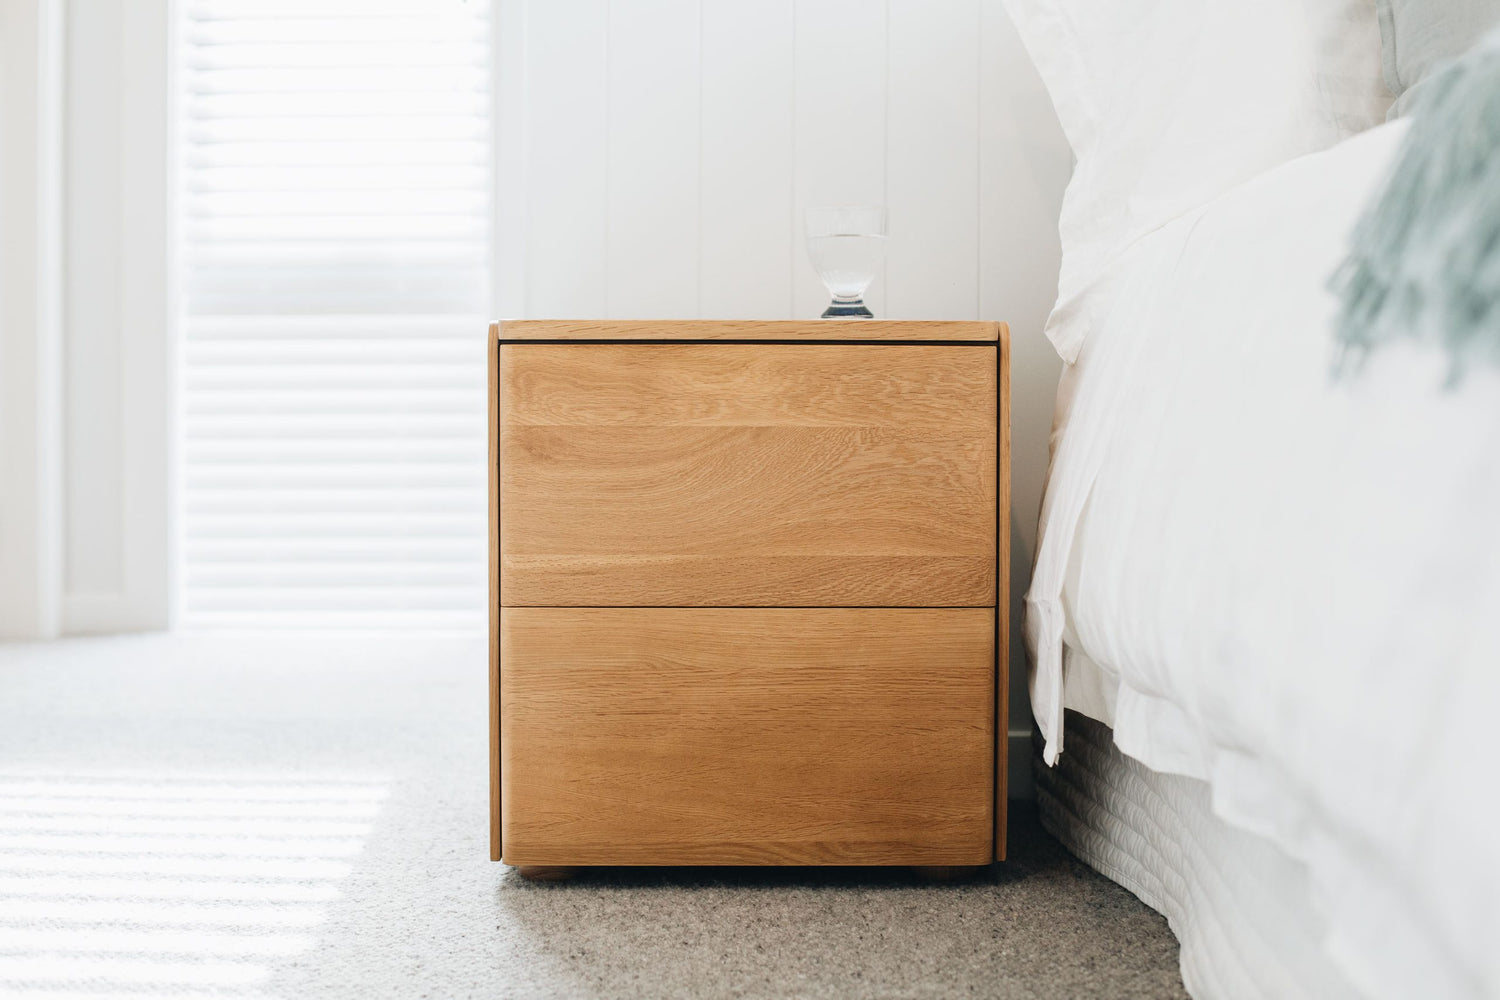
[(104, 614)]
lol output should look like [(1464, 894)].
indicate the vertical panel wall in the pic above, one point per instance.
[(747, 253), (932, 160), (118, 316), (840, 114), (652, 185), (30, 303), (661, 153), (85, 316), (95, 256), (668, 148), (565, 136)]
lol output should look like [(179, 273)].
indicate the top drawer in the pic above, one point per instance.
[(747, 474)]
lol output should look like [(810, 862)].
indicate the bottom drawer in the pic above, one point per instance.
[(681, 736)]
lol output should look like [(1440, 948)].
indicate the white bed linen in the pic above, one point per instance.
[(1286, 586), (1238, 905), (1170, 103)]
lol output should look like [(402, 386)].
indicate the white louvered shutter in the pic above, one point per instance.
[(336, 181)]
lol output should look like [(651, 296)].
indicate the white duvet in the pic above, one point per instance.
[(1286, 585)]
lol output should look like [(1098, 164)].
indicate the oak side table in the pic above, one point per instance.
[(748, 593)]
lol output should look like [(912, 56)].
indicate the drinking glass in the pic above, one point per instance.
[(846, 245)]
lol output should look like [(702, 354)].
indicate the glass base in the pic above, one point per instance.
[(840, 309)]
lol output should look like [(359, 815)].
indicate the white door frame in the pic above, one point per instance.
[(87, 316), (30, 318)]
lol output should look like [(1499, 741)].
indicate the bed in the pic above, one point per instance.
[(1265, 612)]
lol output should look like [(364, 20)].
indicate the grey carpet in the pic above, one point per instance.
[(305, 818)]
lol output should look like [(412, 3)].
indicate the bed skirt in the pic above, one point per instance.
[(1240, 907)]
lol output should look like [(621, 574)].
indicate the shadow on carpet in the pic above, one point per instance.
[(1040, 924)]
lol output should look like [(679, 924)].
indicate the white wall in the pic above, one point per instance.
[(30, 317), (118, 317), (85, 316), (656, 155), (654, 160)]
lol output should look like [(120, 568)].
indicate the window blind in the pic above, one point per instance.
[(336, 180)]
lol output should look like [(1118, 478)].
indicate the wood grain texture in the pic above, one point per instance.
[(832, 398), (748, 475), (547, 873), (956, 331), (494, 595), (1002, 603), (747, 736)]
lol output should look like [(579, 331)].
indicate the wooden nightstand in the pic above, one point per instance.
[(748, 592)]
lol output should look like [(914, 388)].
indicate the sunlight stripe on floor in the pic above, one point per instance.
[(45, 886), (152, 777), (35, 805), (61, 864), (180, 827), (153, 792), (128, 911), (63, 992), (181, 847), (162, 886), (29, 970), (156, 941)]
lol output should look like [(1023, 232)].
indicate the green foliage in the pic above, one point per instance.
[(1425, 259)]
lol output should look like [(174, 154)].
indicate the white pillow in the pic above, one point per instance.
[(1170, 103)]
